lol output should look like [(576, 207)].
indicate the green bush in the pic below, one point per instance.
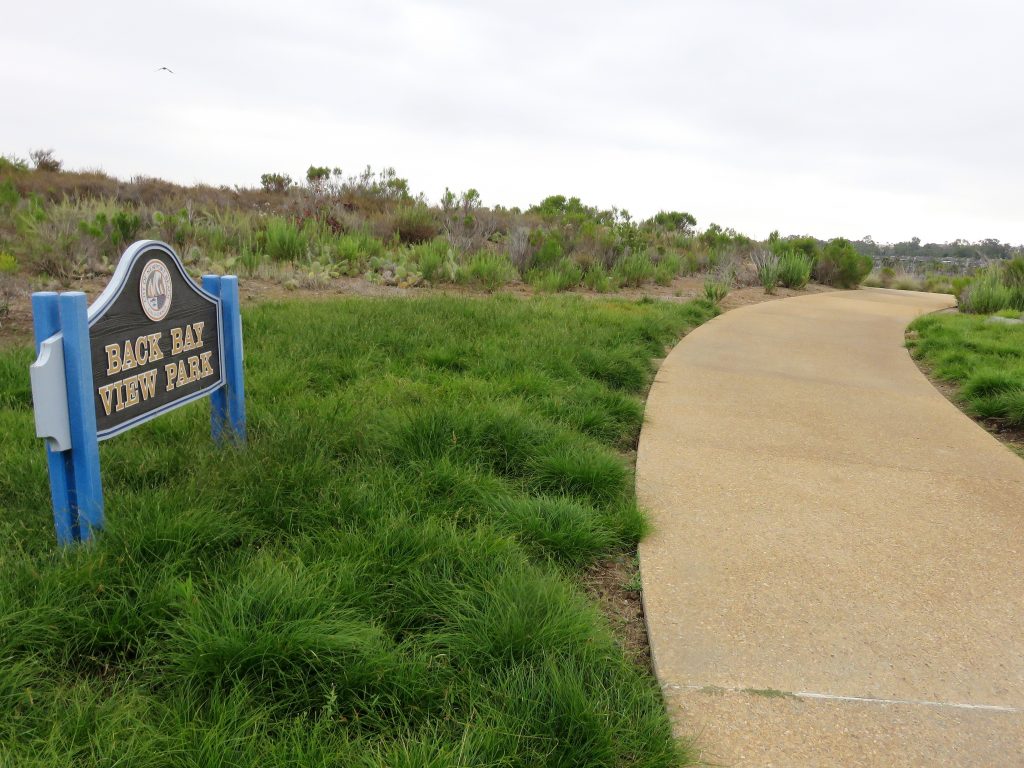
[(767, 265), (715, 290), (487, 270), (634, 270), (275, 182), (415, 224), (9, 196), (667, 268), (1013, 273), (8, 264), (840, 265), (597, 279), (551, 252), (986, 293), (284, 240), (808, 246), (794, 269), (564, 276), (435, 260), (355, 250), (124, 227)]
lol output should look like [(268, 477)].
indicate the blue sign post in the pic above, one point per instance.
[(151, 342)]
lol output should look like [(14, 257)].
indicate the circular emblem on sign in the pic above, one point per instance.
[(155, 290)]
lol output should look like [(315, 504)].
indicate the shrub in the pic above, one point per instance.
[(124, 227), (275, 182), (986, 293), (767, 265), (9, 196), (487, 270), (415, 224), (562, 277), (435, 260), (667, 268), (597, 279), (8, 264), (794, 269), (634, 270), (550, 252), (317, 175), (13, 164), (715, 289), (1013, 274), (840, 265), (284, 240), (44, 160)]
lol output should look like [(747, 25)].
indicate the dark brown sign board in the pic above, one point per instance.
[(155, 338)]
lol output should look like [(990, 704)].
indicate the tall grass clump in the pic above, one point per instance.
[(597, 278), (487, 270), (715, 290), (794, 269), (766, 264), (986, 293), (386, 574), (284, 240), (435, 260), (668, 267), (634, 270), (563, 276)]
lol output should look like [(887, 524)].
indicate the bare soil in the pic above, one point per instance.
[(614, 584)]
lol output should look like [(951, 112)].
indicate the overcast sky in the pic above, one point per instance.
[(882, 118)]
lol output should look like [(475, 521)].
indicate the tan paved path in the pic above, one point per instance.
[(827, 523)]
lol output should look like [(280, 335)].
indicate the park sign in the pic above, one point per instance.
[(156, 341), (152, 341)]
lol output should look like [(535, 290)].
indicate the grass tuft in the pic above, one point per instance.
[(985, 359), (387, 575)]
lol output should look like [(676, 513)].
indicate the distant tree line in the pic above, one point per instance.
[(989, 249)]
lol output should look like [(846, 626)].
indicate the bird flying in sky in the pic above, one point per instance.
[(165, 69)]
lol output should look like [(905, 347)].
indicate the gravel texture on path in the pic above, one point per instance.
[(826, 522)]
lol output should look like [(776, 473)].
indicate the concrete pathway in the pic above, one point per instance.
[(836, 576)]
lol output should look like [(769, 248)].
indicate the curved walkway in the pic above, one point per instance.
[(837, 571)]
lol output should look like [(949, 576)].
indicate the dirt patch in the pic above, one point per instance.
[(614, 584)]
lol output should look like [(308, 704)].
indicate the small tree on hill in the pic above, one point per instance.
[(43, 160), (275, 182)]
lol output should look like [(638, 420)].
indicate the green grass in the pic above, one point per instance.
[(386, 576), (985, 359), (486, 270), (563, 276)]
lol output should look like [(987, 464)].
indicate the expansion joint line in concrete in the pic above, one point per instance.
[(838, 697)]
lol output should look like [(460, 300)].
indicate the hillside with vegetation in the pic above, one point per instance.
[(66, 225)]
